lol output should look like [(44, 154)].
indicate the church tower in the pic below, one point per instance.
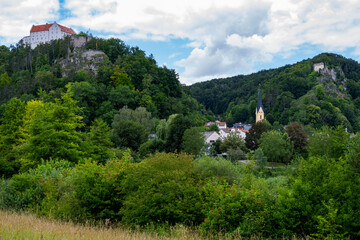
[(260, 114)]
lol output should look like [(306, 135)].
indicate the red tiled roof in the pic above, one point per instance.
[(221, 123), (39, 28), (66, 29), (46, 27)]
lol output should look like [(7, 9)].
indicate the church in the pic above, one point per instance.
[(259, 114), (45, 33)]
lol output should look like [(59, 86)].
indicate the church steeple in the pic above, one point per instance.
[(260, 114)]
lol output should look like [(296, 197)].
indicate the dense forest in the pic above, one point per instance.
[(102, 134), (290, 93)]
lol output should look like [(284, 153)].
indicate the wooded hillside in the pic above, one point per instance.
[(290, 93)]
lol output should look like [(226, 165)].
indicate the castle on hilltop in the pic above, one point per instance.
[(45, 33)]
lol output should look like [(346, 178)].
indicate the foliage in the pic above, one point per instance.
[(163, 188), (254, 134), (260, 158), (174, 132), (121, 78), (236, 154), (25, 190), (352, 153), (323, 198), (139, 115), (214, 127), (10, 136), (329, 142), (151, 147), (233, 141), (290, 93), (220, 167), (276, 146), (298, 136), (193, 140), (230, 207), (99, 140), (128, 134), (96, 188), (50, 131)]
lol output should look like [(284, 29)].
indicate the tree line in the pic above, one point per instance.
[(290, 93)]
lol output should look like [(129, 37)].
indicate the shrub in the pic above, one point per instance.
[(230, 207), (97, 189), (26, 190), (219, 167), (163, 188)]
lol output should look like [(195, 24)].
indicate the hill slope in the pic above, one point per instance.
[(290, 93), (106, 75)]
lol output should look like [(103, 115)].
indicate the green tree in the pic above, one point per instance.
[(233, 141), (329, 142), (352, 153), (323, 200), (298, 136), (214, 128), (254, 134), (193, 140), (128, 134), (5, 79), (120, 77), (175, 131), (122, 96), (151, 147), (260, 158), (313, 114), (85, 94), (99, 140), (139, 115), (10, 136), (276, 146), (50, 131)]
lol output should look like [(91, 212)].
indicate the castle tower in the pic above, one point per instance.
[(260, 114)]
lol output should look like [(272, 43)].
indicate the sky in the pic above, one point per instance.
[(202, 39)]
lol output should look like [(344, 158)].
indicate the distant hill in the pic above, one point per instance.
[(106, 75), (290, 93)]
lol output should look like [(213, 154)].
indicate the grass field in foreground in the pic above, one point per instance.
[(27, 226)]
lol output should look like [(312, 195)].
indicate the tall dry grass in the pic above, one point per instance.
[(27, 226)]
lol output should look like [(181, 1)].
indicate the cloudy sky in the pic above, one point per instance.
[(202, 39)]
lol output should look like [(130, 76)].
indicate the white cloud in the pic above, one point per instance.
[(17, 17), (228, 37)]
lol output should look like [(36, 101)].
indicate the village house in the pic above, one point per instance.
[(218, 123), (211, 137), (45, 33), (226, 131)]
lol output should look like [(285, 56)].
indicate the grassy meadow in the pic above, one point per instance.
[(27, 226)]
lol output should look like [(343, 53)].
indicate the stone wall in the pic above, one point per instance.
[(319, 66), (80, 41)]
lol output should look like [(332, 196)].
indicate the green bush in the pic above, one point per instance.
[(219, 167), (97, 188), (151, 146), (325, 193), (26, 190), (230, 208), (164, 188)]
